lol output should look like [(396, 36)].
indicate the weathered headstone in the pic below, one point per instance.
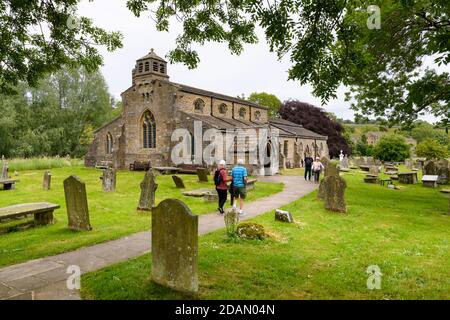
[(344, 163), (231, 218), (430, 168), (409, 164), (443, 172), (109, 180), (76, 203), (5, 175), (47, 180), (374, 170), (148, 189), (283, 216), (175, 246), (334, 193), (178, 182), (202, 174), (330, 170)]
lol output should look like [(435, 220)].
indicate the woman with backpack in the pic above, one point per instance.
[(220, 180), (317, 167)]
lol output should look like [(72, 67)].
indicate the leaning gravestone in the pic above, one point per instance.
[(76, 203), (175, 246), (5, 175), (202, 174), (148, 189), (109, 180), (47, 180), (334, 193), (231, 218), (178, 182), (283, 216)]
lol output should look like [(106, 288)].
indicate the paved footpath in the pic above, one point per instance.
[(45, 278)]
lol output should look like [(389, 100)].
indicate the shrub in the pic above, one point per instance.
[(431, 149), (251, 230), (391, 148)]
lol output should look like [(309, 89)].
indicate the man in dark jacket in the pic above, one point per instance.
[(308, 167)]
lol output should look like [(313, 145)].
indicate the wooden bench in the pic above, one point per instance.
[(42, 211), (251, 184), (103, 165), (8, 184), (430, 181)]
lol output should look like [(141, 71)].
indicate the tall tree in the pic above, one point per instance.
[(39, 37), (55, 118), (317, 120), (268, 100), (376, 48)]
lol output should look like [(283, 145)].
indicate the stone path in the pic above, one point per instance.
[(45, 278)]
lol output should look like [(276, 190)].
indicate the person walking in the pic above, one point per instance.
[(220, 180), (308, 165), (239, 176), (317, 168)]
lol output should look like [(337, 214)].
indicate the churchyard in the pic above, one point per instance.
[(112, 214), (323, 255)]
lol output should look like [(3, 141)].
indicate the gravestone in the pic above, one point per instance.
[(409, 164), (175, 246), (202, 174), (5, 175), (443, 172), (283, 216), (47, 180), (334, 193), (374, 170), (344, 163), (430, 168), (76, 203), (109, 180), (148, 189), (330, 170), (430, 181), (231, 218), (178, 182)]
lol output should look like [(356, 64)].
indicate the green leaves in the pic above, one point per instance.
[(41, 37)]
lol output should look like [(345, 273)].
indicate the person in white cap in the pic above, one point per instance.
[(220, 180), (239, 175)]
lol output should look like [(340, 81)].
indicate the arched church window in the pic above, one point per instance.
[(199, 105), (149, 130), (223, 108), (109, 143), (242, 112)]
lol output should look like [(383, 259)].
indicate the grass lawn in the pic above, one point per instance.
[(405, 232), (113, 215)]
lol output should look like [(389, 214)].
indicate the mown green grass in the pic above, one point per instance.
[(41, 163), (405, 232), (113, 215)]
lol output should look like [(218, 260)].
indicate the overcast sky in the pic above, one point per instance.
[(255, 70)]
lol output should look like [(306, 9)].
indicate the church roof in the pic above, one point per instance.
[(216, 95), (224, 123), (295, 129), (152, 55)]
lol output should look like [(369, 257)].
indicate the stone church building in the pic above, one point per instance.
[(153, 107)]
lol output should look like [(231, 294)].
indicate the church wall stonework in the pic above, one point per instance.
[(172, 105)]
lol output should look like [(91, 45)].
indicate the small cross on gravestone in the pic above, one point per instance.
[(46, 181), (178, 182), (202, 174), (109, 180), (76, 203), (148, 190), (175, 246)]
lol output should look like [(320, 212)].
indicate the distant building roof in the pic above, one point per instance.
[(295, 129)]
